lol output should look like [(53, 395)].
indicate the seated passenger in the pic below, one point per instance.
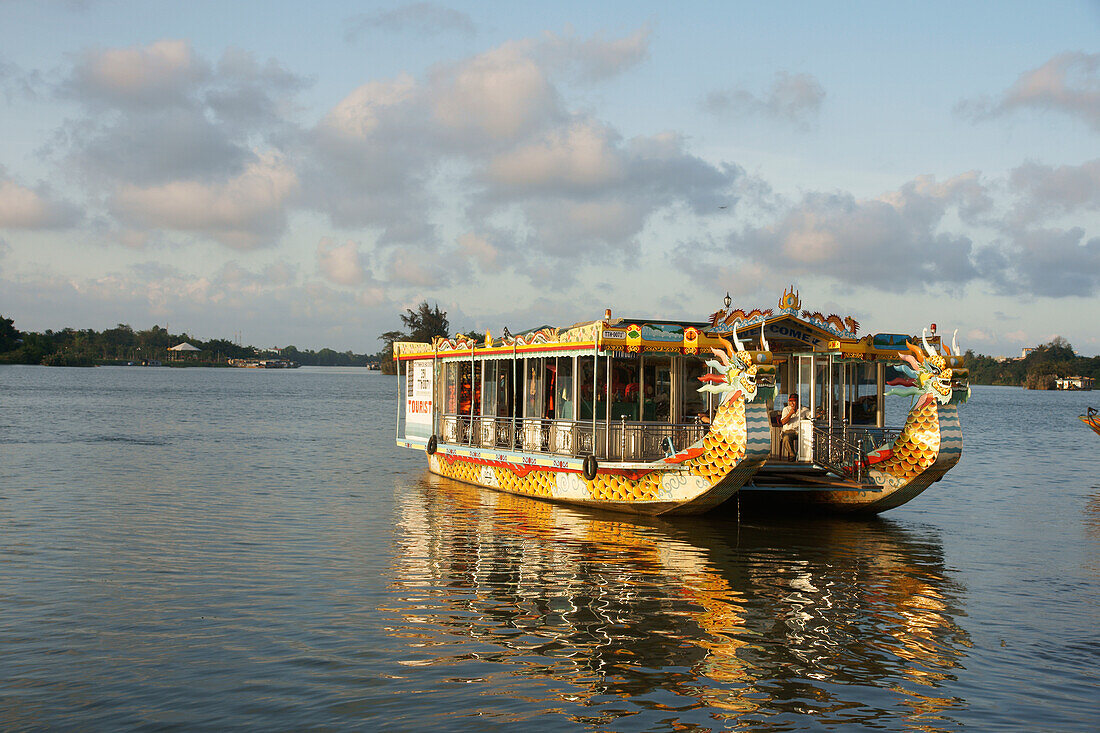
[(791, 420)]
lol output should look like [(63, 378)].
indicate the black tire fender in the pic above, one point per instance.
[(431, 446), (591, 465)]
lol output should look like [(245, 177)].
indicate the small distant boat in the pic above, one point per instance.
[(1092, 419), (263, 364)]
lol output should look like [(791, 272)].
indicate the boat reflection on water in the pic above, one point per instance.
[(703, 620)]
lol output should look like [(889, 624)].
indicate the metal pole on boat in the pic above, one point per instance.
[(470, 430), (397, 425), (437, 386), (595, 384), (880, 388), (515, 407), (607, 412)]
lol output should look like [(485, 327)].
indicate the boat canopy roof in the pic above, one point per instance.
[(786, 329)]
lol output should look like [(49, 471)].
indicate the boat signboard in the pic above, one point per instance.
[(418, 399)]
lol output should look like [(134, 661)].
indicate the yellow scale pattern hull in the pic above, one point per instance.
[(722, 461)]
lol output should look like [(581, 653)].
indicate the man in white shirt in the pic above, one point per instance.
[(791, 420)]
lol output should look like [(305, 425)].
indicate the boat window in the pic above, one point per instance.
[(821, 389), (624, 388), (695, 402), (805, 387), (564, 389), (504, 389), (450, 388), (657, 388), (489, 387), (464, 389), (588, 383), (549, 384), (533, 369), (475, 388), (862, 394)]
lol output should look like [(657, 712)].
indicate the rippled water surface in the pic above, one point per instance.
[(238, 548)]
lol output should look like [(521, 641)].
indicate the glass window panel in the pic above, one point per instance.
[(533, 388), (584, 387), (695, 402), (564, 389), (657, 389)]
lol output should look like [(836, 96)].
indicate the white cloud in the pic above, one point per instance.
[(1068, 83), (579, 156), (25, 208), (1049, 262), (340, 263), (425, 18), (1045, 190), (796, 98), (482, 251), (498, 95), (497, 125), (595, 58), (164, 72), (244, 212)]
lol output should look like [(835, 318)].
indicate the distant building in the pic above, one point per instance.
[(1027, 350), (1073, 383)]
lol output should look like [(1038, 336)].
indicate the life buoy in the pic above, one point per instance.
[(432, 445), (590, 467)]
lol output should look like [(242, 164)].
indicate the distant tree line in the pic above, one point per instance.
[(122, 344), (1037, 370), (421, 326)]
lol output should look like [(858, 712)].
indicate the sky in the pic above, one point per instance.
[(291, 173)]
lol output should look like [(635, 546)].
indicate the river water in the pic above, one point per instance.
[(238, 548)]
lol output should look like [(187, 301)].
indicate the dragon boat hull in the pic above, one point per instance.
[(929, 446), (693, 481)]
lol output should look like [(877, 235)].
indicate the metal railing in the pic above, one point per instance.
[(843, 449), (624, 441)]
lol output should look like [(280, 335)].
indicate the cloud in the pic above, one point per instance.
[(495, 127), (425, 18), (405, 268), (1051, 263), (170, 141), (582, 155), (580, 191), (16, 83), (268, 305), (1045, 190), (796, 98), (244, 212), (893, 242), (498, 95), (592, 59), (341, 264), (479, 249), (1068, 83), (163, 73), (26, 208)]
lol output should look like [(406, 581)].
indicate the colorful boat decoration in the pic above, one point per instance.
[(610, 413), (1092, 419)]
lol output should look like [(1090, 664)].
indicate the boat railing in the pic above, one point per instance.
[(620, 441), (843, 448)]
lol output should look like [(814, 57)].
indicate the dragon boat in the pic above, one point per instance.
[(1092, 419), (610, 413)]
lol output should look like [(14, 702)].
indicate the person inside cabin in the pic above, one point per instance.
[(791, 420)]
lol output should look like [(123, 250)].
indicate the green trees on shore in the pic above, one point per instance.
[(423, 324), (122, 344), (1037, 370)]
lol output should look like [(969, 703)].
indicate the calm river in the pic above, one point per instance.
[(235, 548)]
